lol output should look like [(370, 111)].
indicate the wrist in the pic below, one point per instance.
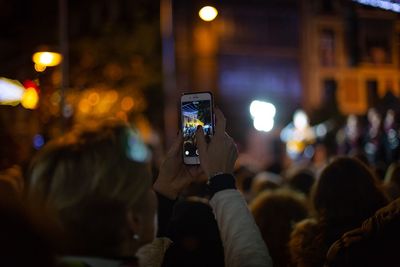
[(165, 189), (221, 182)]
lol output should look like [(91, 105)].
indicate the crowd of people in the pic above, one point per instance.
[(89, 198)]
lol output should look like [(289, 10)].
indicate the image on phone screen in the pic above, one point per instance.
[(195, 113)]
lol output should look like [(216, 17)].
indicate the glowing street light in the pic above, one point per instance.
[(208, 13), (46, 59)]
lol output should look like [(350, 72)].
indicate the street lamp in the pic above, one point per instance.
[(208, 13), (46, 59)]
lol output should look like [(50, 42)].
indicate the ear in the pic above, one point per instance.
[(134, 222)]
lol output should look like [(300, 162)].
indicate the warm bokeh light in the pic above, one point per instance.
[(93, 98), (30, 98), (55, 98), (112, 96), (84, 106), (40, 67), (47, 59), (208, 13), (127, 103)]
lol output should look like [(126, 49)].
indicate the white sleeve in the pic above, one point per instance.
[(241, 238)]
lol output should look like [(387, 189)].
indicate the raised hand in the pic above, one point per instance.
[(174, 175), (220, 154)]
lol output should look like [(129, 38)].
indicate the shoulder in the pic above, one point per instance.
[(304, 244)]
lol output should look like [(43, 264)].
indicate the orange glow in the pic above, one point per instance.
[(112, 96), (30, 98), (47, 59), (127, 103), (84, 106), (55, 98), (122, 115), (93, 99), (40, 67)]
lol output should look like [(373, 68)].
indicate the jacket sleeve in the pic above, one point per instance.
[(241, 238)]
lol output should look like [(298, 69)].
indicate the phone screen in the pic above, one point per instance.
[(194, 113)]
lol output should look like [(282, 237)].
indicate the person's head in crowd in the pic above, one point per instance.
[(347, 191), (302, 180), (244, 178), (97, 180), (275, 213), (265, 181), (196, 236), (361, 156), (374, 244), (346, 194), (392, 181)]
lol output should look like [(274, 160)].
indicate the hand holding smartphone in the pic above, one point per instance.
[(196, 109)]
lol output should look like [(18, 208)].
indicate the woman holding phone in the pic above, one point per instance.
[(97, 182)]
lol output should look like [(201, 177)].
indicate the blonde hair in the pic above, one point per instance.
[(89, 179)]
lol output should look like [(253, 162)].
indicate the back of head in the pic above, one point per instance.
[(265, 181), (347, 192), (275, 213), (302, 180), (90, 177), (196, 237)]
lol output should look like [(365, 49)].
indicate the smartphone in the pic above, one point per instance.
[(196, 109)]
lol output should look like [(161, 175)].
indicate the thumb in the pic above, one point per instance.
[(201, 142)]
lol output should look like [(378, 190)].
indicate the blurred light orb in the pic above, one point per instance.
[(47, 59), (30, 98), (112, 96), (93, 98), (321, 130), (263, 114), (38, 141), (263, 124), (127, 103), (261, 108), (208, 13), (11, 91), (84, 106), (68, 110), (55, 98), (40, 67), (300, 119)]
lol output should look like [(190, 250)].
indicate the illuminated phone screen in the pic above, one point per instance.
[(195, 113)]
